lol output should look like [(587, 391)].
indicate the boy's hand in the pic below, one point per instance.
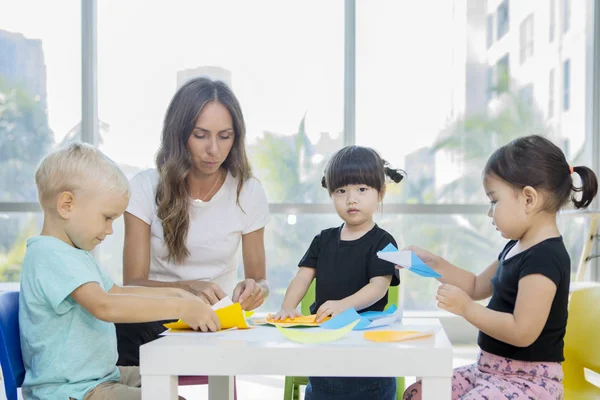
[(331, 308), (286, 313), (199, 316), (453, 299)]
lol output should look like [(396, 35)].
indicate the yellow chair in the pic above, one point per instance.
[(582, 344), (293, 383)]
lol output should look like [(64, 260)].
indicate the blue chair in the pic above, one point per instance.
[(11, 360)]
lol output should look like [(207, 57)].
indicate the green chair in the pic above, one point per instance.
[(293, 383)]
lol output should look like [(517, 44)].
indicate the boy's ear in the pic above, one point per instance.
[(64, 204), (531, 196)]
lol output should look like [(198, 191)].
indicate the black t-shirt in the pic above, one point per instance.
[(343, 267), (548, 258)]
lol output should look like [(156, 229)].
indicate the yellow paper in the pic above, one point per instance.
[(394, 336), (231, 316), (307, 337), (305, 320)]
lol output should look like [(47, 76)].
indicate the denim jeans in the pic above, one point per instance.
[(326, 388)]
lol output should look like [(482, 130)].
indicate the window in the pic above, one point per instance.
[(490, 83), (551, 94), (566, 15), (566, 85), (503, 22), (490, 30), (552, 20), (439, 104), (276, 90), (526, 39), (526, 95), (40, 108), (503, 73)]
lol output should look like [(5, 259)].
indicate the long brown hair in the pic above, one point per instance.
[(174, 161)]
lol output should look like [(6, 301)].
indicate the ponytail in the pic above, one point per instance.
[(394, 174), (588, 188)]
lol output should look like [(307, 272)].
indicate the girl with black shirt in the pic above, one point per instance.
[(345, 264), (522, 328)]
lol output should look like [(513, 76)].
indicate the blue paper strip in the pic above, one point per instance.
[(350, 315)]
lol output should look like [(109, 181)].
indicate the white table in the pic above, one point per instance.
[(265, 351)]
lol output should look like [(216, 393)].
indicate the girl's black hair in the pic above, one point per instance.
[(357, 165), (537, 162)]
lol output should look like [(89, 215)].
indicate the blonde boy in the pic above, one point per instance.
[(68, 306)]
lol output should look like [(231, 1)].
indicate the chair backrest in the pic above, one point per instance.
[(309, 298), (11, 360), (582, 340)]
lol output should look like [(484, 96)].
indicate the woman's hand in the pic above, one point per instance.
[(249, 294), (209, 291)]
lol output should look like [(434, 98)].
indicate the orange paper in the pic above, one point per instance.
[(305, 320), (231, 316), (395, 336)]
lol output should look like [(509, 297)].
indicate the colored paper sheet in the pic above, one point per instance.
[(368, 320), (310, 336), (230, 316), (395, 336), (305, 320), (408, 260)]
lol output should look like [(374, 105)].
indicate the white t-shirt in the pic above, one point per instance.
[(216, 229)]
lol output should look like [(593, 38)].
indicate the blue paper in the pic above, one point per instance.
[(419, 267), (364, 320), (416, 264), (389, 247), (379, 314), (341, 320)]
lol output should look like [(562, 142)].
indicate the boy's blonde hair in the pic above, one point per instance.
[(77, 168)]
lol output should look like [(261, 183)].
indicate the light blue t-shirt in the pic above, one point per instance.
[(66, 350)]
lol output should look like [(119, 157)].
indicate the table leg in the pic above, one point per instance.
[(436, 389), (159, 387), (220, 388)]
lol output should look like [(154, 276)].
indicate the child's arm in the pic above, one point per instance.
[(154, 292), (125, 308), (478, 287), (522, 327), (365, 297), (295, 292)]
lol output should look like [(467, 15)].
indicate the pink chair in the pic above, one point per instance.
[(202, 380)]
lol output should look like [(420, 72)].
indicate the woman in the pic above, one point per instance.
[(186, 218)]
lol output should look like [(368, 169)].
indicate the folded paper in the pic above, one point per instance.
[(230, 315), (408, 260), (321, 336), (395, 336), (367, 320)]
